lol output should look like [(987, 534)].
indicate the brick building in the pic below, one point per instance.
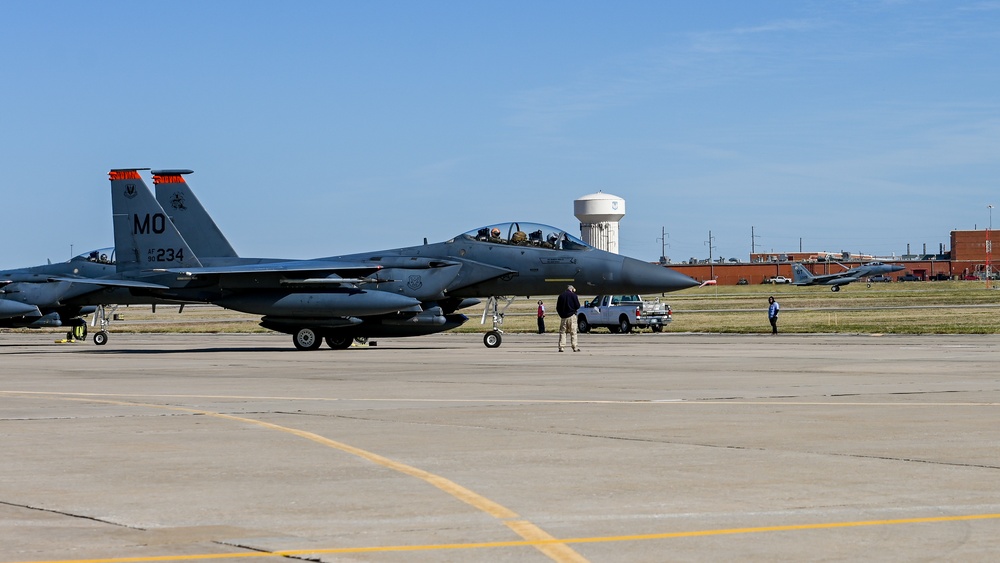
[(967, 258)]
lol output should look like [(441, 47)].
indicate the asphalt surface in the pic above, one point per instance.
[(645, 447)]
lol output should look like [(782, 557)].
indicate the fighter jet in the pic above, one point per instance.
[(492, 262), (57, 295), (399, 292), (31, 298), (802, 276)]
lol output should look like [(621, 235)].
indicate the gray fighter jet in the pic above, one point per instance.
[(492, 262), (802, 276), (32, 298), (57, 295)]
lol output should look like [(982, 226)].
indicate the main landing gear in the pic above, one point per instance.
[(101, 315), (310, 339), (493, 338)]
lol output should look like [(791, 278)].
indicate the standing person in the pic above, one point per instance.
[(541, 318), (567, 305), (772, 314)]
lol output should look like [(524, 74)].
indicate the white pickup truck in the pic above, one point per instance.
[(622, 313)]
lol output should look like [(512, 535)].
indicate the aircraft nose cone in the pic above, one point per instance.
[(651, 278)]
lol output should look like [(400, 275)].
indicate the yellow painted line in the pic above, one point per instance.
[(534, 542), (534, 535)]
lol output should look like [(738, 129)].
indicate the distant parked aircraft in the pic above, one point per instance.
[(802, 276)]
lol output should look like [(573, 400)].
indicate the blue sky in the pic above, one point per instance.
[(321, 128)]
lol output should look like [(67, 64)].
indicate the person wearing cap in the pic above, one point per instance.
[(567, 305), (772, 314)]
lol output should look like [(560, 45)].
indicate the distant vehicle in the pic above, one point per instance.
[(879, 279), (780, 279), (622, 313), (804, 277), (909, 277), (743, 281)]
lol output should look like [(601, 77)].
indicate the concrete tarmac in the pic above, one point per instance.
[(642, 447)]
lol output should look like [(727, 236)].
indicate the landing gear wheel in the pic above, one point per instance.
[(306, 339), (582, 325), (339, 342), (492, 339), (79, 332), (624, 326), (836, 288), (101, 338)]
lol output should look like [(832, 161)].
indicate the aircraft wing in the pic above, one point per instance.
[(297, 272), (109, 282), (291, 266)]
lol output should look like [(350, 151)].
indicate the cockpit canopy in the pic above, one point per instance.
[(527, 234), (99, 256)]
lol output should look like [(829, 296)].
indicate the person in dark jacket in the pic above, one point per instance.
[(567, 305), (541, 317), (772, 314)]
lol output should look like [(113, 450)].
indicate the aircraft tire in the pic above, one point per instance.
[(624, 326), (306, 339), (101, 338), (492, 339), (835, 288), (80, 332), (582, 325), (339, 342)]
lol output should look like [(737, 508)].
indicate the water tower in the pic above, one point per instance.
[(599, 215)]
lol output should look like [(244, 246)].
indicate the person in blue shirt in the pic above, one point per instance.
[(772, 314)]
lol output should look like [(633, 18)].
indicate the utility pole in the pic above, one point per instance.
[(663, 244), (711, 264), (753, 242)]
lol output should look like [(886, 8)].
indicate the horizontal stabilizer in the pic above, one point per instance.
[(10, 309)]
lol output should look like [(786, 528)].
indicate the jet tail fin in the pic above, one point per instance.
[(144, 236), (800, 275), (189, 216)]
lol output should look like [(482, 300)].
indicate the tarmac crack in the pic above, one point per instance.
[(238, 545), (71, 515)]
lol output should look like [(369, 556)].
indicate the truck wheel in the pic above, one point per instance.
[(624, 325), (657, 328), (582, 325)]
